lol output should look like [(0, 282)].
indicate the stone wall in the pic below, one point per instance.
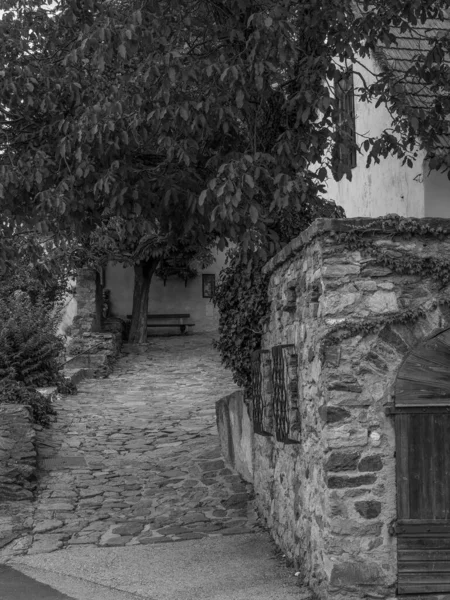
[(236, 433), (96, 352), (329, 496), (17, 453), (89, 303), (95, 342)]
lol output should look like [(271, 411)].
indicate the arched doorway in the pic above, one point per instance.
[(422, 427)]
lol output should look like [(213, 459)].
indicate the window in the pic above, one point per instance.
[(345, 151), (208, 285)]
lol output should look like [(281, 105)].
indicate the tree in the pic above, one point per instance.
[(121, 107), (167, 246), (34, 265)]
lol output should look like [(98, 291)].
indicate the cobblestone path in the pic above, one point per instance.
[(149, 466)]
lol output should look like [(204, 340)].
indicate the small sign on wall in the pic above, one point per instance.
[(208, 285)]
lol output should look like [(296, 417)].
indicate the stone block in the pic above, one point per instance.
[(339, 270), (375, 271), (344, 382), (354, 528), (333, 414), (346, 435), (382, 302), (332, 356), (371, 463), (344, 481), (369, 509), (337, 302), (350, 574), (343, 460)]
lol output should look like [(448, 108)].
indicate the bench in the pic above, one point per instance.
[(178, 320)]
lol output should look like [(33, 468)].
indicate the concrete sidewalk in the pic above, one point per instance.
[(241, 567)]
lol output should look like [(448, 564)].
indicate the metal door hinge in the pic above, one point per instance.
[(392, 528), (389, 410)]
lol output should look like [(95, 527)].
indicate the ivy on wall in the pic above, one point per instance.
[(401, 261), (242, 291)]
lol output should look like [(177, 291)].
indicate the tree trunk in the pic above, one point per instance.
[(143, 273)]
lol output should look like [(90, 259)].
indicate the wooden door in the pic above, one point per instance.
[(422, 426)]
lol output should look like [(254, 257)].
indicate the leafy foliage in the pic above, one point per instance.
[(241, 294), (241, 297), (184, 261), (126, 105), (38, 268), (195, 115), (29, 347)]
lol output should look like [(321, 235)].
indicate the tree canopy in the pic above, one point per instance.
[(223, 107)]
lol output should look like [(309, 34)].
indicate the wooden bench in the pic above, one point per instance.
[(167, 320)]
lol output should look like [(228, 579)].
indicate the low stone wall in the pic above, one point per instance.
[(89, 303), (17, 453), (236, 433), (95, 352), (342, 320)]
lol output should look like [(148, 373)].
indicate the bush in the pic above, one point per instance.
[(29, 354), (29, 346), (13, 392)]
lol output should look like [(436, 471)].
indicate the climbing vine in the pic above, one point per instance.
[(400, 261)]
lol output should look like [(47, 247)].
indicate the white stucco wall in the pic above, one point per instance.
[(172, 298), (68, 312), (387, 187), (437, 194)]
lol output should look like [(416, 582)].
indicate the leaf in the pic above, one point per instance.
[(249, 180), (202, 197), (253, 213), (240, 98), (122, 51)]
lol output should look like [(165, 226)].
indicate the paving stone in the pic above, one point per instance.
[(175, 530), (207, 527), (119, 540), (191, 536), (194, 518), (84, 539), (154, 540), (57, 506), (128, 529), (236, 501), (45, 544), (47, 525)]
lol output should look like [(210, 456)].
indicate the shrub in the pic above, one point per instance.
[(29, 354), (29, 346)]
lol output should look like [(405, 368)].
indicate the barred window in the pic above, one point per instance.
[(346, 143)]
